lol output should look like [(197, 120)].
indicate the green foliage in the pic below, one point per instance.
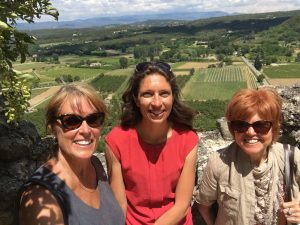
[(192, 71), (123, 62), (114, 109), (181, 80), (298, 57), (16, 95), (38, 119), (14, 45), (257, 63), (260, 78), (207, 113)]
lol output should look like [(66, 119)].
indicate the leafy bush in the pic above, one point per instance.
[(207, 113)]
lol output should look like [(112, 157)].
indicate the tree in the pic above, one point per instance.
[(257, 63), (123, 62), (14, 86), (192, 71), (298, 57), (261, 78)]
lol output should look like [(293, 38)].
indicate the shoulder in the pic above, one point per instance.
[(119, 133), (186, 134), (39, 206), (222, 158), (99, 167)]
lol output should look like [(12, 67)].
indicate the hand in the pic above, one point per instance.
[(291, 211)]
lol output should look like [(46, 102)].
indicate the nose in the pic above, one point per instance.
[(251, 130), (84, 128), (156, 101)]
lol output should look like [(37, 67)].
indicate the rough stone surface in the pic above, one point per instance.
[(23, 151)]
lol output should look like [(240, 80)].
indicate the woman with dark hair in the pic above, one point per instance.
[(152, 155), (71, 187), (246, 178)]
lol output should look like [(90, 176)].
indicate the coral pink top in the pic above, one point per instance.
[(151, 172)]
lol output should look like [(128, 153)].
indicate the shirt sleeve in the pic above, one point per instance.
[(207, 194)]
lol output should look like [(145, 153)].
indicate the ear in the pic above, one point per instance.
[(52, 130)]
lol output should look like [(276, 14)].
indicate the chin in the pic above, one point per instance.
[(250, 150), (85, 154)]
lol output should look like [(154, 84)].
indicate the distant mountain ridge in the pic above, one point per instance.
[(129, 19)]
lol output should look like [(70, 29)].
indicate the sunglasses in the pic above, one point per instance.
[(261, 126), (72, 122), (141, 67)]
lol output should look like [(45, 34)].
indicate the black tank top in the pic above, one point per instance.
[(75, 211)]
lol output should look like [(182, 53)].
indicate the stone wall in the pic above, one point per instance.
[(22, 150)]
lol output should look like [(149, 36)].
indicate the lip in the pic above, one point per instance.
[(251, 141), (156, 114), (83, 142)]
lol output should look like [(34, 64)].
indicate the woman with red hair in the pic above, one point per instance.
[(246, 177)]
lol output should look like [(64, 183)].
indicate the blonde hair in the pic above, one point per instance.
[(74, 91)]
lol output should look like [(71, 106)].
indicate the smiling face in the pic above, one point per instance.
[(155, 99), (80, 142), (254, 144)]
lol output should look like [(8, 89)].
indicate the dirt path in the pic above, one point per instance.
[(35, 101)]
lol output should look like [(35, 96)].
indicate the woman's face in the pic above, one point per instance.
[(253, 143), (80, 142), (155, 98)]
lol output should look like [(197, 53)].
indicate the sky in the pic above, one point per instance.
[(83, 9)]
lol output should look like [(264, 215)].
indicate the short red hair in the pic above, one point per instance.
[(263, 101)]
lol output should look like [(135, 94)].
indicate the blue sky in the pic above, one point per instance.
[(82, 9)]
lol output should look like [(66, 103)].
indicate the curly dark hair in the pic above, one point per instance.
[(181, 114)]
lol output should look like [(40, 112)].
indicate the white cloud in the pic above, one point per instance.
[(80, 9)]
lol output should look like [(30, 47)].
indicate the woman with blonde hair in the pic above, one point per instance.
[(71, 187)]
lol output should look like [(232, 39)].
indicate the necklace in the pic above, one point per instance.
[(85, 188)]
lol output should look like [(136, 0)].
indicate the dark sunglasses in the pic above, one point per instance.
[(72, 122), (261, 126), (141, 67)]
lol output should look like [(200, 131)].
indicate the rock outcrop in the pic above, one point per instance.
[(23, 150)]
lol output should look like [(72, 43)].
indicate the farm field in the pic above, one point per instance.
[(284, 81), (218, 83), (83, 73), (283, 71), (30, 66), (37, 91), (195, 65), (214, 83)]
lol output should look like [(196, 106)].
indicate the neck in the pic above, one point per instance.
[(259, 160), (154, 134), (78, 171)]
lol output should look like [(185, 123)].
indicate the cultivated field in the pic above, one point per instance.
[(206, 83), (218, 83), (183, 72), (283, 71), (195, 65), (284, 82), (284, 74)]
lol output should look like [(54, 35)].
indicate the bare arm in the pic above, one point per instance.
[(39, 206), (116, 179), (184, 192), (207, 214)]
